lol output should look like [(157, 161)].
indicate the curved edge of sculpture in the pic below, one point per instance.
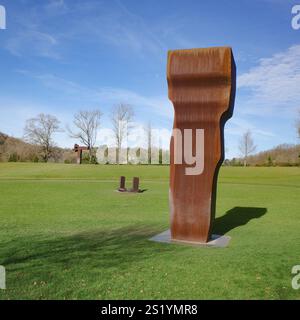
[(224, 118)]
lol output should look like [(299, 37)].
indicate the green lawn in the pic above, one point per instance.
[(66, 234)]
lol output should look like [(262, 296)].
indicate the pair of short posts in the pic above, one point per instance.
[(135, 185)]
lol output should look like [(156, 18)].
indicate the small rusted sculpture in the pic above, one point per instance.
[(122, 187), (135, 185), (202, 88), (78, 149)]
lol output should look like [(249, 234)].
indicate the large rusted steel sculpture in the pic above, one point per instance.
[(202, 88)]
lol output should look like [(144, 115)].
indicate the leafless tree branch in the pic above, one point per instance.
[(40, 130), (121, 118), (148, 130), (246, 146), (87, 123)]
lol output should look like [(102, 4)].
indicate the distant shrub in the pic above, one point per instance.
[(270, 161), (85, 158), (93, 160), (13, 157)]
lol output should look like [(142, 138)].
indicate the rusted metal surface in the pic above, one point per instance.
[(202, 88), (122, 187), (135, 185)]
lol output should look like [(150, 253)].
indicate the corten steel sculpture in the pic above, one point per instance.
[(135, 185), (202, 88), (79, 150)]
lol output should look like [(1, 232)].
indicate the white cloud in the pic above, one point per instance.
[(274, 84), (238, 125)]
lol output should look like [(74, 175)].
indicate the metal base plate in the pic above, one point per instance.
[(216, 240)]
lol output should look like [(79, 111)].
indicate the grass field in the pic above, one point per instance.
[(66, 234)]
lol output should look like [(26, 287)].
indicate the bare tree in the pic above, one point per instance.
[(298, 125), (87, 123), (148, 130), (121, 117), (246, 146), (40, 130)]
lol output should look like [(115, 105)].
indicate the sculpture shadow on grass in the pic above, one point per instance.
[(236, 217), (98, 249)]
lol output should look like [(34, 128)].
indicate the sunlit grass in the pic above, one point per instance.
[(66, 233)]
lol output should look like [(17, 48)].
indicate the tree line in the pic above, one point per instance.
[(40, 145), (86, 123)]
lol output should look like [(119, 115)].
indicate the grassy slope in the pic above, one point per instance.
[(65, 233)]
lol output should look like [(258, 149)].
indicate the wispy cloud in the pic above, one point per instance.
[(31, 40), (273, 86), (108, 96), (238, 125), (51, 28), (30, 33), (56, 4), (115, 25)]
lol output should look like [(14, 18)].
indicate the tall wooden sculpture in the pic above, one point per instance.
[(202, 88)]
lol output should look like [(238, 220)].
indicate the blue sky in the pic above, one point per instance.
[(60, 56)]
